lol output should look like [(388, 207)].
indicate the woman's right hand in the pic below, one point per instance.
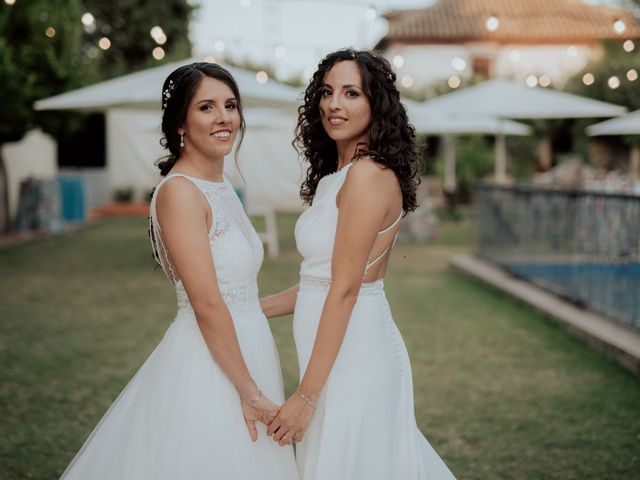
[(262, 410)]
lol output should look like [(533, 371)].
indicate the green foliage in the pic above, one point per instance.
[(127, 24), (33, 65), (614, 61), (474, 159)]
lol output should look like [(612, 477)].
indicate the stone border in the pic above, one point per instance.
[(614, 341)]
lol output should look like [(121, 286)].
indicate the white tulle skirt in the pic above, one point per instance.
[(364, 427), (180, 418)]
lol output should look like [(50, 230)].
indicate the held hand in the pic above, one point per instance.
[(262, 410), (292, 421)]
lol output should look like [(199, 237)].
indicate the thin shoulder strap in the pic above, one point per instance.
[(393, 224), (389, 247)]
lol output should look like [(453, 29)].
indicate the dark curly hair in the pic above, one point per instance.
[(392, 140), (177, 92)]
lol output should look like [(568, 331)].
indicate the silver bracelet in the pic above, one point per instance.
[(304, 397), (251, 402)]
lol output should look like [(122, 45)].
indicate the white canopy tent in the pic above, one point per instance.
[(502, 98), (450, 126), (626, 125), (131, 104)]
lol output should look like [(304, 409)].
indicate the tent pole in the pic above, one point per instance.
[(450, 182), (634, 163), (501, 159)]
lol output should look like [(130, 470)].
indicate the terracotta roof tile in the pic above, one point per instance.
[(543, 21)]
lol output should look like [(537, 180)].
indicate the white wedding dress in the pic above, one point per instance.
[(180, 417), (364, 427)]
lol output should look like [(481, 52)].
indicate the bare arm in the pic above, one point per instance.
[(363, 209), (279, 304), (183, 214)]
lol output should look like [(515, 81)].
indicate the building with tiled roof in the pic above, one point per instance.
[(546, 39)]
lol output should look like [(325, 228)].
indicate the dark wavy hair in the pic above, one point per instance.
[(392, 140), (177, 92)]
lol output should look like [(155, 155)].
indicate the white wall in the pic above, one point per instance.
[(428, 64), (33, 156)]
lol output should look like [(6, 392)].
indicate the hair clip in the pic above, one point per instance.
[(166, 94)]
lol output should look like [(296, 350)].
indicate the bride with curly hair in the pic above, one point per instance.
[(352, 414)]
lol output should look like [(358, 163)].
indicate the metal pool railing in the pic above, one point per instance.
[(584, 246)]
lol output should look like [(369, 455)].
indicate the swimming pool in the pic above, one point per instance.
[(613, 289)]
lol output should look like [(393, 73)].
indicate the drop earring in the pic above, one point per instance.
[(181, 140)]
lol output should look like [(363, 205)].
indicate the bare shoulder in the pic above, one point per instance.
[(178, 191), (369, 174)]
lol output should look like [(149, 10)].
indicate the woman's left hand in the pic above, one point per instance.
[(292, 421)]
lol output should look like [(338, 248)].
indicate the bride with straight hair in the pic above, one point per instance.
[(198, 407)]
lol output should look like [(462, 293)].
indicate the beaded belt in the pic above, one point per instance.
[(316, 284), (232, 295)]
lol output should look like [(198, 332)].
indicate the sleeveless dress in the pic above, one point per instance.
[(180, 417), (364, 427)]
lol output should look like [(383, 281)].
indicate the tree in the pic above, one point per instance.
[(127, 25), (39, 44), (44, 51), (615, 62)]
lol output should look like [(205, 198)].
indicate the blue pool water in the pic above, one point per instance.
[(613, 289)]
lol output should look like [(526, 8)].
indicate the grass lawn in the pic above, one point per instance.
[(500, 391)]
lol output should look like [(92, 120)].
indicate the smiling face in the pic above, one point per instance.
[(212, 120), (344, 108)]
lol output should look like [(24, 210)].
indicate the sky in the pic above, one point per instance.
[(291, 36), (305, 30)]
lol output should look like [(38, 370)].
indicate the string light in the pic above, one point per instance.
[(158, 35), (572, 51), (9, 2), (158, 53), (398, 61), (262, 76), (210, 59), (632, 75), (532, 81), (588, 79), (407, 81), (370, 14), (613, 82), (50, 32), (104, 43), (492, 23), (87, 19), (628, 46), (619, 26), (545, 81), (454, 81), (458, 63)]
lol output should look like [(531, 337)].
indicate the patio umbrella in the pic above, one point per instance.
[(626, 125), (450, 126), (508, 99), (142, 90), (504, 98)]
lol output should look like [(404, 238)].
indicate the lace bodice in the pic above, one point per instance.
[(316, 229), (235, 246)]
